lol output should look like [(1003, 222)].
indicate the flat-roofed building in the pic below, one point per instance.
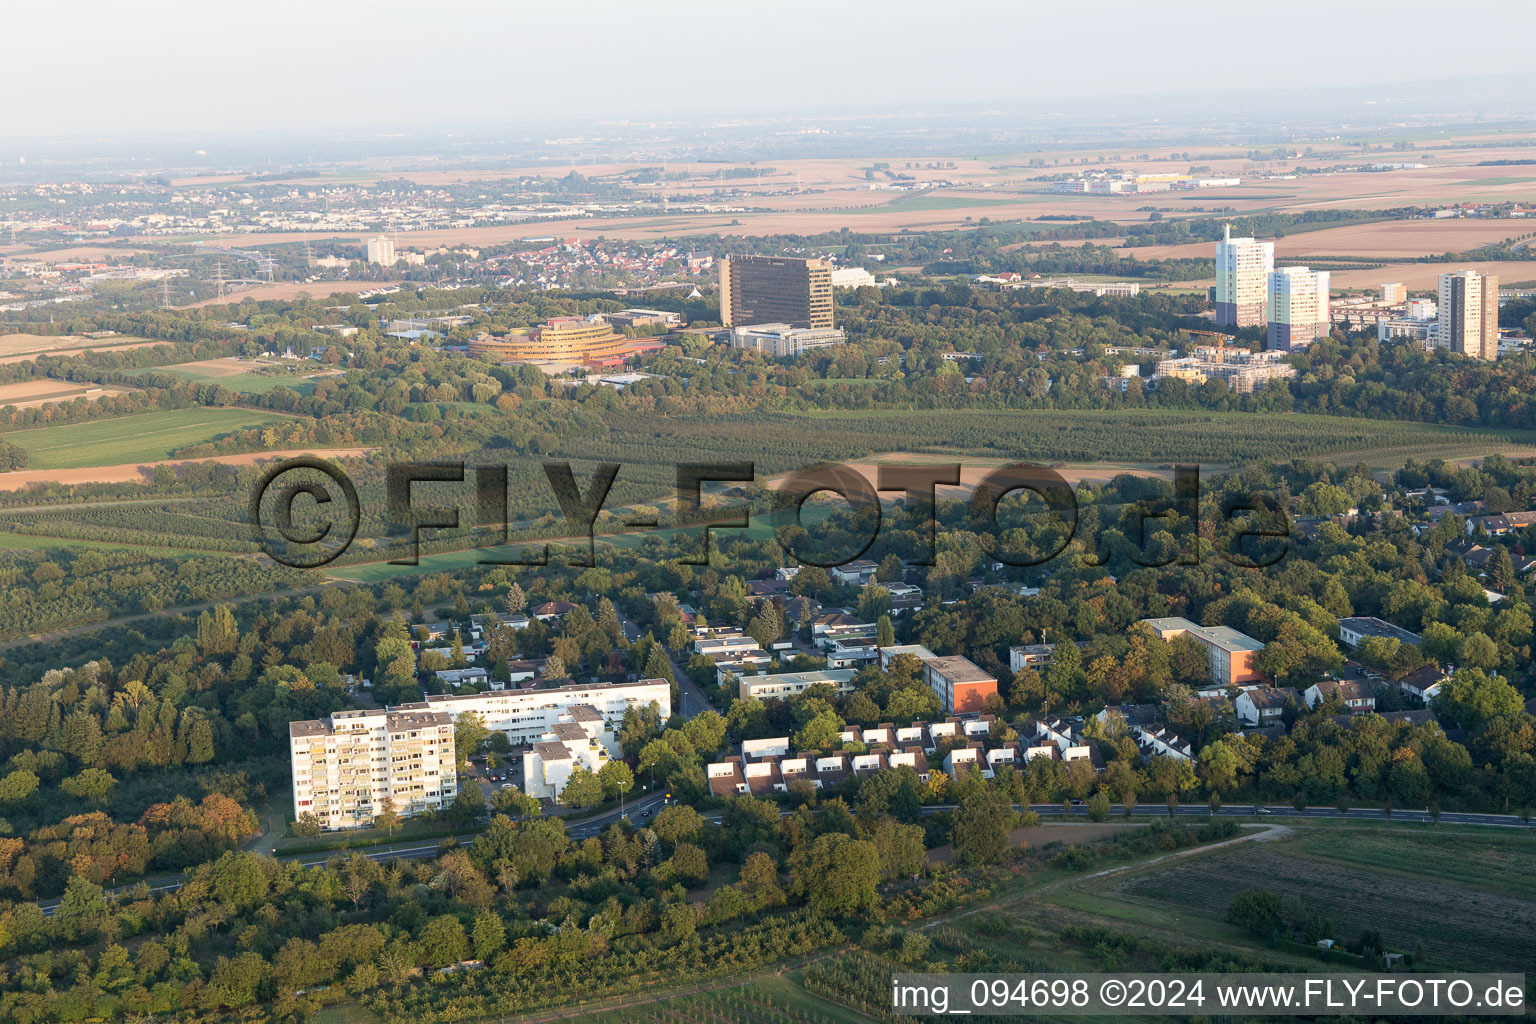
[(348, 770), (1357, 627), (1298, 308), (782, 685), (1244, 371), (1469, 314), (890, 654), (781, 341), (1242, 280), (852, 277), (643, 318), (1035, 656), (775, 289), (525, 715), (579, 738), (381, 250), (1230, 653), (960, 683)]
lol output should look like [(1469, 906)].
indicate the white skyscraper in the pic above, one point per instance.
[(381, 250), (1469, 314), (1242, 280), (1298, 308)]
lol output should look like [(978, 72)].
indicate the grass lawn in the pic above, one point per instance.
[(247, 383), (147, 437)]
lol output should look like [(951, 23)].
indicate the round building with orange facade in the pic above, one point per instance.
[(561, 340)]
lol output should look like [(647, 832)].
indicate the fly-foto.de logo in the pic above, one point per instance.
[(306, 512)]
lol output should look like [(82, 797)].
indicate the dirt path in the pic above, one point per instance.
[(1270, 832), (660, 999)]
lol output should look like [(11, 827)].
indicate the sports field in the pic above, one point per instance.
[(149, 437)]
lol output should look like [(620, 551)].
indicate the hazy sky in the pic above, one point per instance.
[(113, 68)]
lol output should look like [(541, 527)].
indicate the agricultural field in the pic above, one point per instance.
[(251, 376), (1400, 881), (1425, 277), (32, 393), (813, 195), (1396, 239), (19, 348), (148, 437)]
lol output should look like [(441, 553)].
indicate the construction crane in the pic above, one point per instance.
[(1216, 337)]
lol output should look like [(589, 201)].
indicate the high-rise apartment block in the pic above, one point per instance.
[(381, 250), (349, 770), (1469, 314), (1243, 266), (1298, 307), (771, 289)]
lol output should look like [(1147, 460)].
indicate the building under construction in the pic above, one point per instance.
[(1244, 371)]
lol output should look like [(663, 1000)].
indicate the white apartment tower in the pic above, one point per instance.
[(381, 250), (346, 771), (1469, 314), (1298, 308), (1243, 266)]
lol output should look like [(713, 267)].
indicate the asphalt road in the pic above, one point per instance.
[(690, 698)]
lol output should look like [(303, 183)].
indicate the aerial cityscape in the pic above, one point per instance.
[(679, 514)]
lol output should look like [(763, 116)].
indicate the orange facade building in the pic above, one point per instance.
[(565, 339), (961, 684)]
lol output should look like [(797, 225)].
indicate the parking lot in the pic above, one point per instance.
[(508, 773)]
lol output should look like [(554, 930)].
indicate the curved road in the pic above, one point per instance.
[(589, 827)]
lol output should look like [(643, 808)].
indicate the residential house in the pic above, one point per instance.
[(1263, 705), (456, 677), (1355, 694), (1035, 656), (855, 651), (855, 573), (1424, 683), (1499, 525), (552, 611)]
